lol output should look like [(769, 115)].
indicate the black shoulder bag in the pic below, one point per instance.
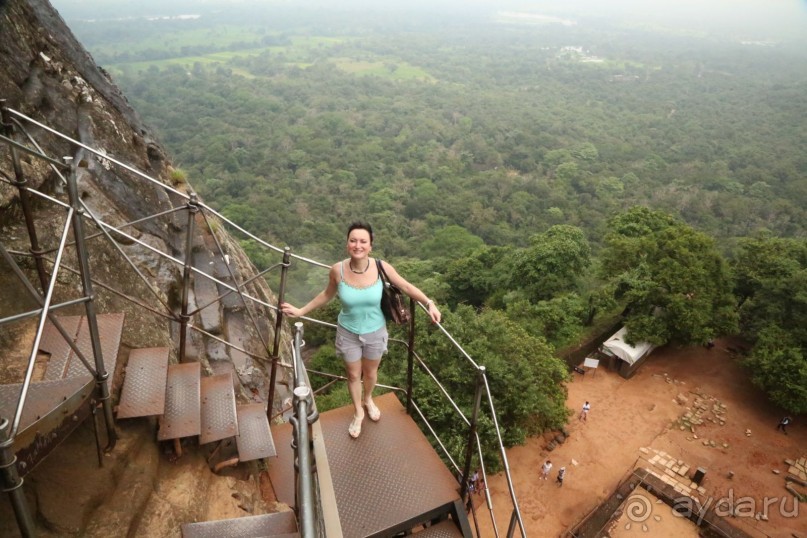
[(392, 301)]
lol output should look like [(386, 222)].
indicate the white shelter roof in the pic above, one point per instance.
[(628, 353)]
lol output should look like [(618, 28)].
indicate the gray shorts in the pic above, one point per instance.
[(352, 347)]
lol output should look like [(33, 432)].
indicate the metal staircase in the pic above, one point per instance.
[(190, 405), (407, 487), (63, 398)]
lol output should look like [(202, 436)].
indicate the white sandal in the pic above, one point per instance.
[(372, 411), (354, 430)]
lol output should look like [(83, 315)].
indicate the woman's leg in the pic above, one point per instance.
[(354, 370), (370, 370)]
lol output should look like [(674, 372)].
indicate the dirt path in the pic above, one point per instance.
[(627, 415)]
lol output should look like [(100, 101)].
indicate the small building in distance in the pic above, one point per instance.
[(622, 357)]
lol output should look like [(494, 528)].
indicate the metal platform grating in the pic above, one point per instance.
[(390, 475), (276, 525), (143, 391), (182, 414), (110, 327), (254, 439), (53, 342), (218, 414), (281, 471), (43, 397)]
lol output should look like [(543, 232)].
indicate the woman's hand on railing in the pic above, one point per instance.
[(290, 310), (434, 312)]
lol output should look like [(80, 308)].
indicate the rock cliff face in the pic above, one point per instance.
[(47, 75)]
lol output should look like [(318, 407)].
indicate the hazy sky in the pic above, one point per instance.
[(755, 18)]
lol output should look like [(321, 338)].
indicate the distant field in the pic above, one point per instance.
[(186, 62), (394, 70), (300, 52)]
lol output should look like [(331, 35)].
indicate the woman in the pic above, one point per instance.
[(361, 333)]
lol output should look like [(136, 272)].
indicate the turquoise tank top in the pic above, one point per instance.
[(361, 307)]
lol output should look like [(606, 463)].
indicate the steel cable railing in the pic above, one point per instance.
[(146, 177), (108, 231), (517, 518)]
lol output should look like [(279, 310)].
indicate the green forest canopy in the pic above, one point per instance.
[(538, 176)]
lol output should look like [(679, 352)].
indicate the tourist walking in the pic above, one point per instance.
[(584, 412), (545, 468), (783, 424), (561, 475)]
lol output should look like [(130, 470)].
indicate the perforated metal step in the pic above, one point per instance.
[(278, 525), (59, 403), (255, 438), (182, 405), (219, 419), (144, 386)]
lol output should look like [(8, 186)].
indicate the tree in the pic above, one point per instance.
[(772, 286), (525, 378), (558, 320), (450, 242), (477, 279), (778, 365), (674, 283), (552, 264)]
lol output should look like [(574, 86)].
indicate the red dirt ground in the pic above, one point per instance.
[(627, 415)]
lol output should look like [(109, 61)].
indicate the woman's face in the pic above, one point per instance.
[(358, 243)]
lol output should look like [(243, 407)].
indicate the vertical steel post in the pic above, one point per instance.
[(12, 483), (305, 483), (284, 269), (469, 448), (25, 202), (410, 364), (82, 257), (511, 529), (193, 208)]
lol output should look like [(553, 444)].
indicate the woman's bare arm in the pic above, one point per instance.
[(322, 297), (412, 291)]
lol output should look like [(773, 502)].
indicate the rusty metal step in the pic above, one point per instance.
[(182, 405), (255, 438), (143, 391), (279, 524), (219, 420)]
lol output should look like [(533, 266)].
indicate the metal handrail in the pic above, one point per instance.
[(302, 435), (107, 229), (516, 515), (142, 175)]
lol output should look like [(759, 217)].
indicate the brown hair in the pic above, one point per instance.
[(359, 225)]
